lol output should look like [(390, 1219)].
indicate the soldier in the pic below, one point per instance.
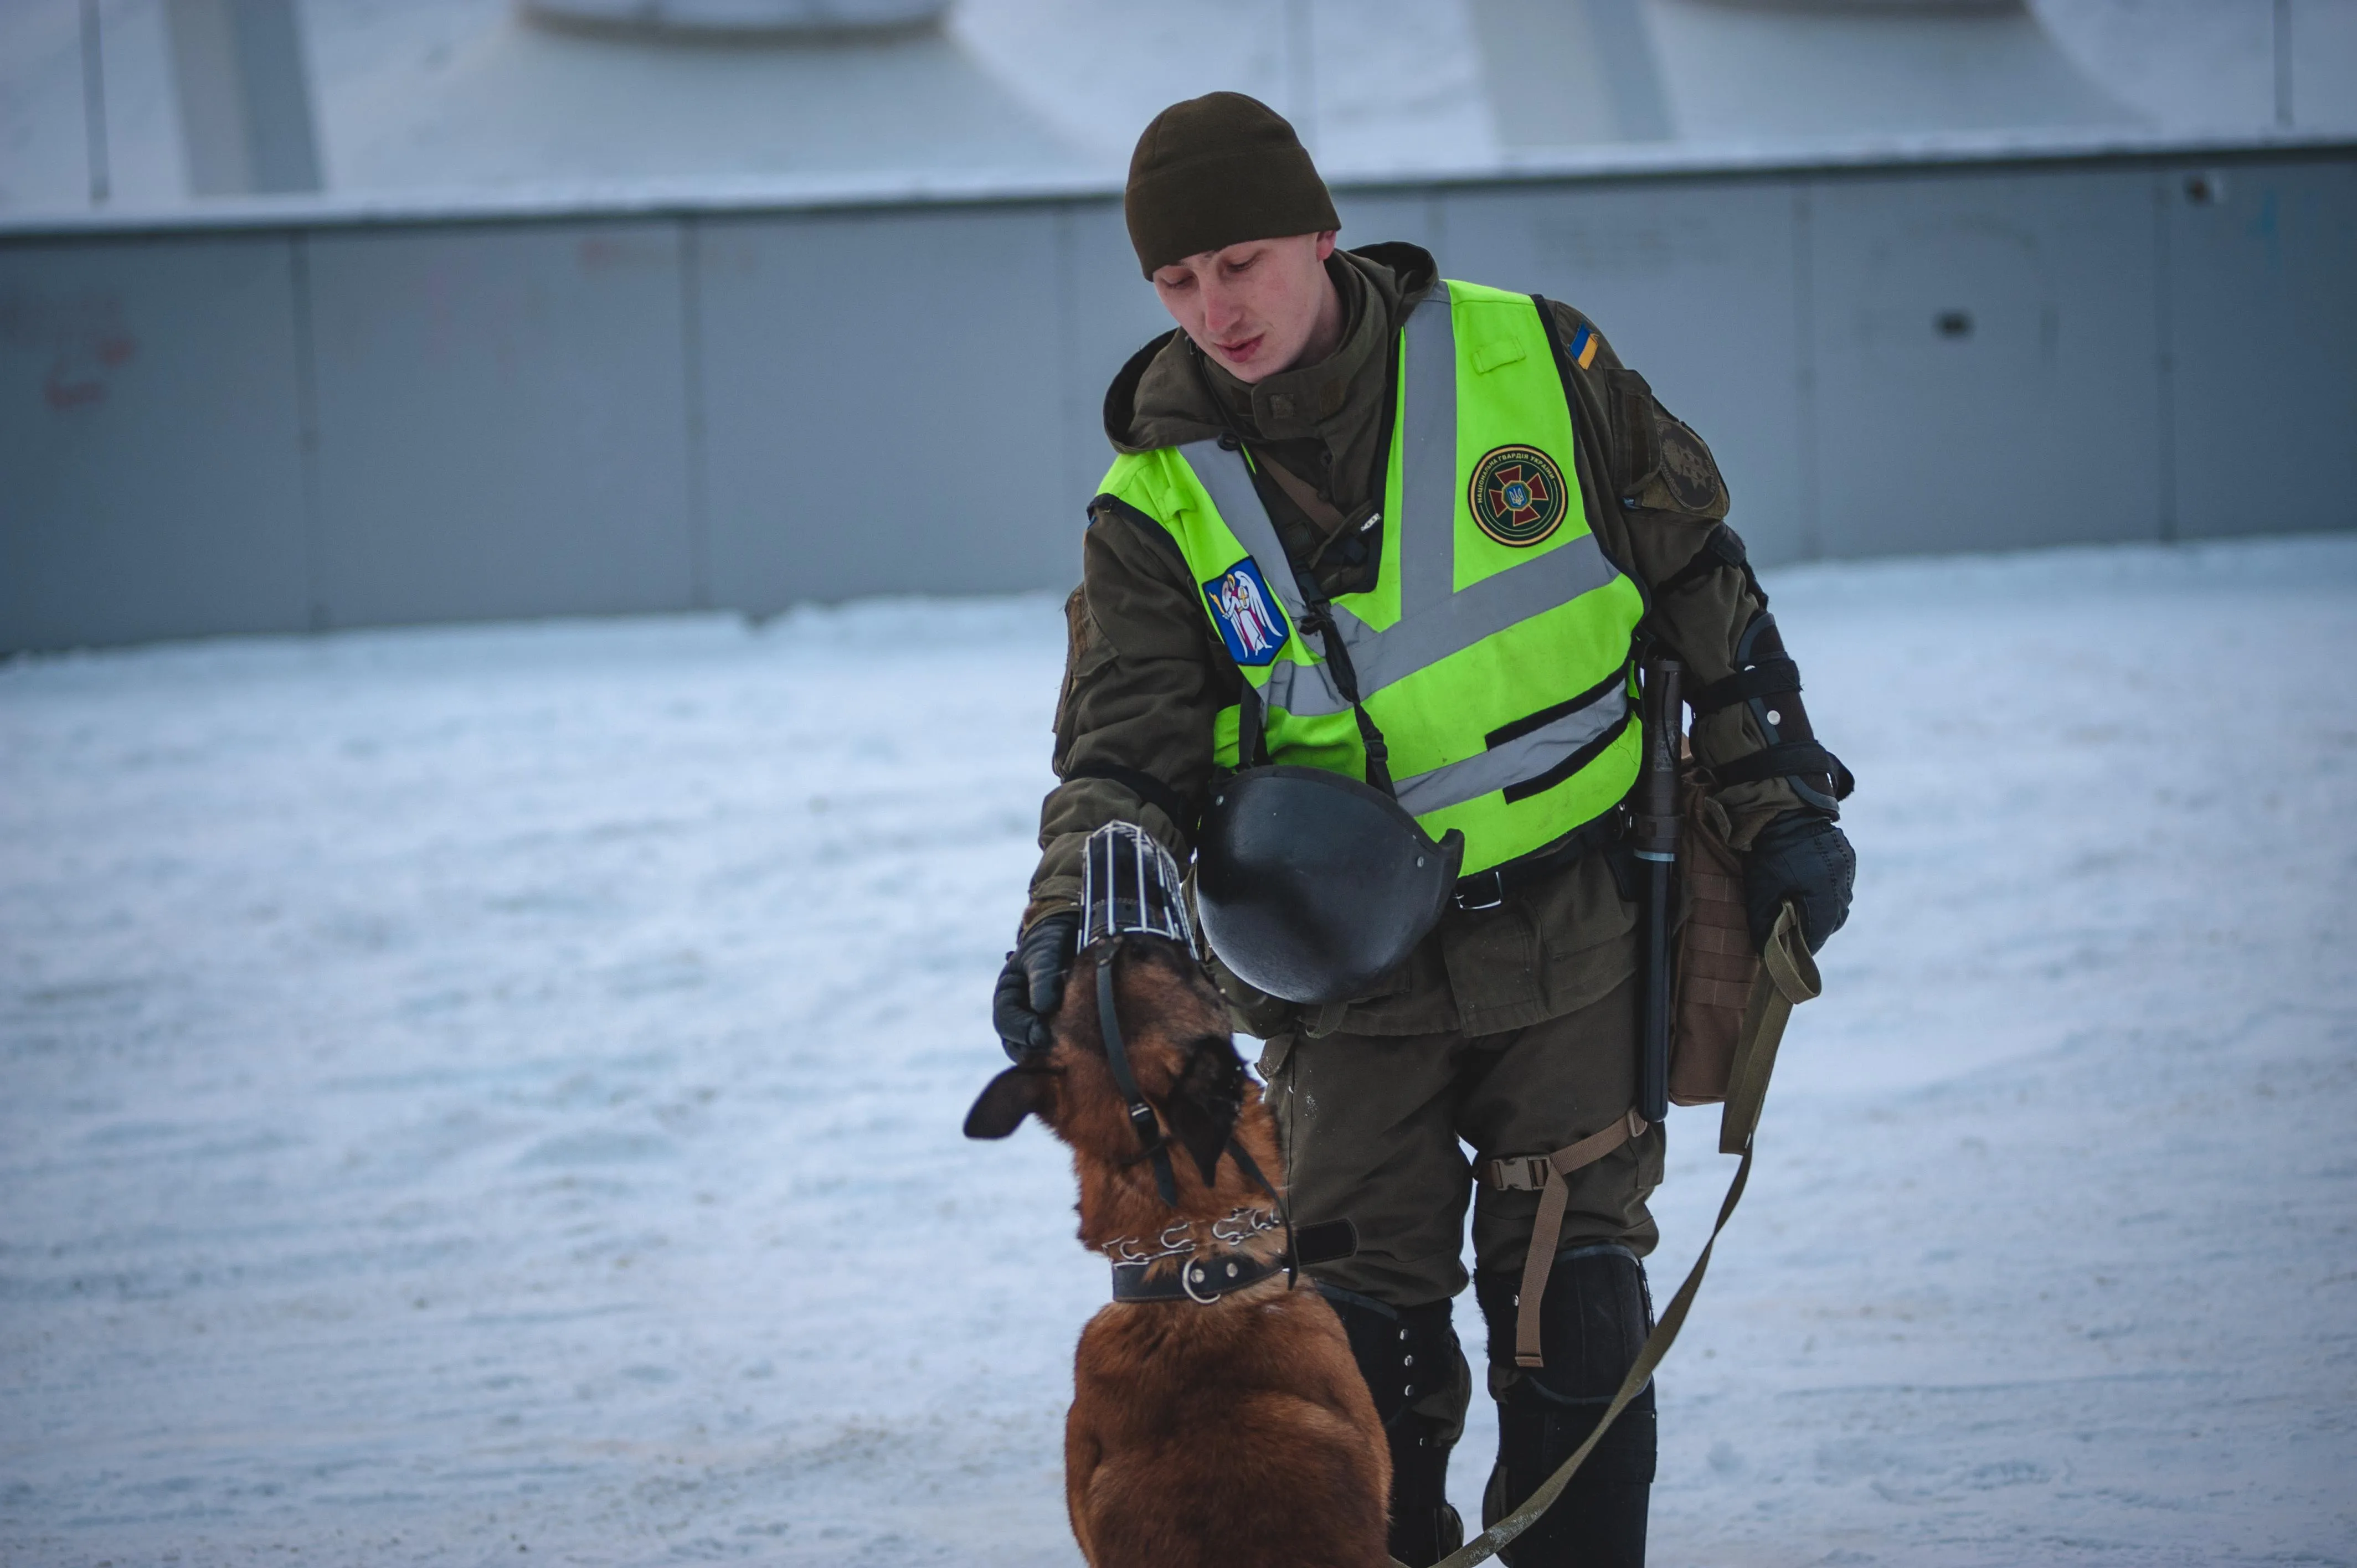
[(1398, 537)]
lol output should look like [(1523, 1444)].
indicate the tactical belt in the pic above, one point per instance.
[(1488, 889)]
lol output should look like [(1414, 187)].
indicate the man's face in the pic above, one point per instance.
[(1254, 307)]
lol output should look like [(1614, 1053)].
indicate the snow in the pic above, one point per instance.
[(492, 1094)]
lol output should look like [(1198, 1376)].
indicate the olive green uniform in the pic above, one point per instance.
[(1512, 1027)]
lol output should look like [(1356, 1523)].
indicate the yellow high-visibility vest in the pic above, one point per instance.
[(1493, 649)]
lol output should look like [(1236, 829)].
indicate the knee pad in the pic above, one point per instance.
[(1593, 1322)]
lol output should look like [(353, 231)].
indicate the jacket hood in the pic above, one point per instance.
[(1160, 399)]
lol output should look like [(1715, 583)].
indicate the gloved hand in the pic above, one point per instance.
[(1032, 984), (1803, 856)]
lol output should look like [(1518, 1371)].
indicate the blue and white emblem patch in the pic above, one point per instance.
[(1249, 616)]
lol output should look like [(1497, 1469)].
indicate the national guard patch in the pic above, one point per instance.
[(1518, 495), (1250, 619)]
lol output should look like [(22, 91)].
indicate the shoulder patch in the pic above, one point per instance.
[(1686, 470), (1251, 622), (1583, 346)]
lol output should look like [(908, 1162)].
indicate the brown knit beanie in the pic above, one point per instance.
[(1217, 170)]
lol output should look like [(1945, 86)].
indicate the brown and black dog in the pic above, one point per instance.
[(1225, 1435)]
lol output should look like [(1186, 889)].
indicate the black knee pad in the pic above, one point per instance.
[(1405, 1353), (1593, 1321)]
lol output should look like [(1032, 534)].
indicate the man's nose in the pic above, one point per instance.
[(1221, 310)]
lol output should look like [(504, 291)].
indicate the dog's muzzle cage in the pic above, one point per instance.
[(1129, 883)]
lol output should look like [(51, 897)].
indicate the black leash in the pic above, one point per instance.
[(1141, 1114)]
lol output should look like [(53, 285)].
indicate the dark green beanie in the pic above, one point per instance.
[(1215, 171)]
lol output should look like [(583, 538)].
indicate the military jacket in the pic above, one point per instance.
[(1145, 674)]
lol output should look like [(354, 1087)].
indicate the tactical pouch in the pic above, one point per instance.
[(1717, 964)]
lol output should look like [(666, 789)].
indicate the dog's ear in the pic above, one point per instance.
[(1006, 1100), (1205, 1102)]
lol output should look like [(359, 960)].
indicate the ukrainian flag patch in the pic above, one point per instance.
[(1583, 346)]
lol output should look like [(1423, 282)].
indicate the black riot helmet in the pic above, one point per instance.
[(1313, 886)]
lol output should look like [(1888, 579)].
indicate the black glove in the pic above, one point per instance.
[(1032, 984), (1800, 856)]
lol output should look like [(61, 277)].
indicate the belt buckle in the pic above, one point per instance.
[(1149, 1130), (1462, 897)]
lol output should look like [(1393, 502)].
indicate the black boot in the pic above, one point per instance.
[(1592, 1323), (1405, 1354)]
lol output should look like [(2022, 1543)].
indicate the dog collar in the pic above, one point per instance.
[(1202, 1279), (1207, 1278)]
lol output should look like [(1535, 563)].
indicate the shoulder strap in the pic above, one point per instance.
[(1313, 610), (1299, 491)]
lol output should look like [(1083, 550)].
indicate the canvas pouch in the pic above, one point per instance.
[(1716, 965)]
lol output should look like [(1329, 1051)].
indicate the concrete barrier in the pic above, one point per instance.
[(307, 415)]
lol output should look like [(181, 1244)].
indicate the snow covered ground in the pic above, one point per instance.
[(491, 1095)]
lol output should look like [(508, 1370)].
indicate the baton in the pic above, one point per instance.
[(1656, 835)]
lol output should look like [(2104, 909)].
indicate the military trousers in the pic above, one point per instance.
[(1374, 1129)]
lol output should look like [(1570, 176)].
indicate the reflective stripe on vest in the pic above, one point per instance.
[(1472, 679)]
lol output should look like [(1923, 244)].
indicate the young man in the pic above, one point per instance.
[(1464, 493)]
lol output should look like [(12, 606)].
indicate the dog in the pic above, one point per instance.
[(1218, 1418)]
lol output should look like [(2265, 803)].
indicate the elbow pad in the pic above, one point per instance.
[(1768, 682)]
